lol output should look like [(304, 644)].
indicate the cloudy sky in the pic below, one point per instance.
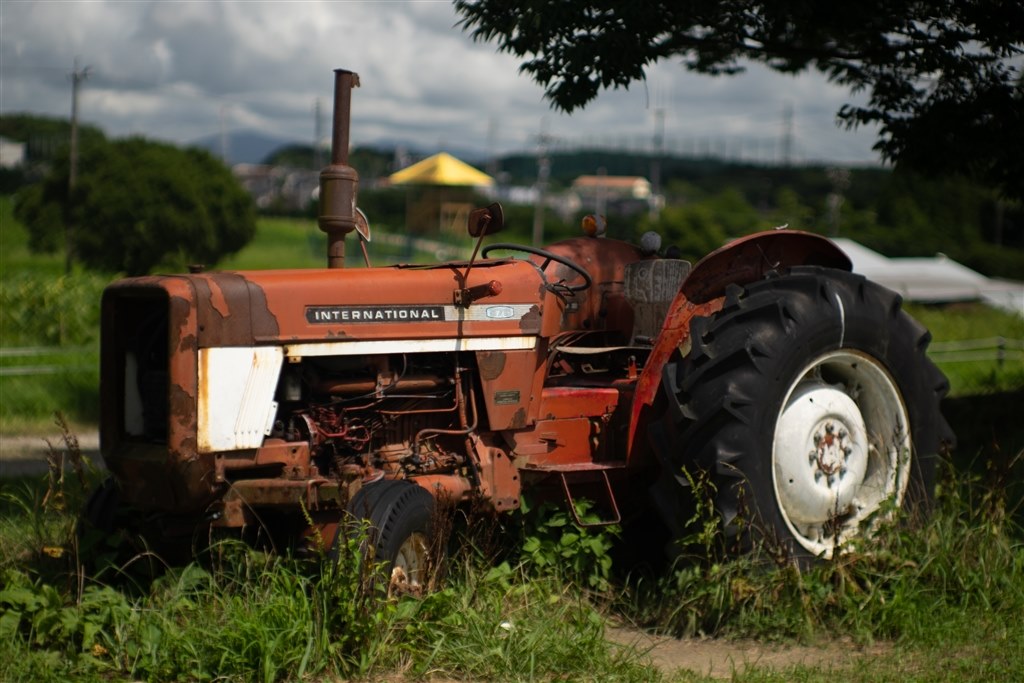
[(174, 70)]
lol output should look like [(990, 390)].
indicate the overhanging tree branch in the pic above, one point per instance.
[(938, 70)]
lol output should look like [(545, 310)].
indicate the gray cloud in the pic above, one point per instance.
[(173, 70)]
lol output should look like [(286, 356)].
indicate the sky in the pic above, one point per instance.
[(180, 71)]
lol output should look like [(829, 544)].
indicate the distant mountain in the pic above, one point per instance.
[(243, 146), (253, 147)]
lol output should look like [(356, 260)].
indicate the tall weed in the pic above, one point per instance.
[(40, 310), (555, 544), (966, 559)]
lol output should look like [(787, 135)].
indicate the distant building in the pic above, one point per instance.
[(12, 154), (608, 194), (278, 187), (612, 186)]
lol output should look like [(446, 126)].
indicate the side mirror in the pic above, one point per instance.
[(486, 221)]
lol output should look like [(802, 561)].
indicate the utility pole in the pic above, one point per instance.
[(658, 145), (77, 76), (543, 173), (224, 144), (787, 134), (318, 135)]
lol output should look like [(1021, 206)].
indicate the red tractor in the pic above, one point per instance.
[(591, 368)]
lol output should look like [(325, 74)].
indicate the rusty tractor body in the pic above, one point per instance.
[(591, 368)]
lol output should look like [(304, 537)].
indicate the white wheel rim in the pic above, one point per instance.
[(841, 451), (411, 560)]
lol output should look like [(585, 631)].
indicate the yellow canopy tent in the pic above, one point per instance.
[(441, 169), (439, 194)]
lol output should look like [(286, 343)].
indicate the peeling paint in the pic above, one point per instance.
[(491, 363)]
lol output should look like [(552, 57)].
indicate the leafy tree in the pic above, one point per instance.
[(943, 77), (698, 228), (138, 205), (46, 139)]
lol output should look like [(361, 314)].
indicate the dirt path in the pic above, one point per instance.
[(718, 658), (25, 456)]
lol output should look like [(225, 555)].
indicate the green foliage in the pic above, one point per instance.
[(555, 544), (968, 373), (966, 562), (244, 615), (698, 228), (140, 205), (368, 161), (948, 593), (505, 623), (46, 140), (51, 311)]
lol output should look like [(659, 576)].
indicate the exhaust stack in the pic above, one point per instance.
[(339, 182)]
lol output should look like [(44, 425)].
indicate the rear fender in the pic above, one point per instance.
[(702, 293), (750, 258)]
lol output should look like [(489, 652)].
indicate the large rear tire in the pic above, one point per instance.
[(810, 406)]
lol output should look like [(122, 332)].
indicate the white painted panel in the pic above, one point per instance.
[(236, 396), (358, 348)]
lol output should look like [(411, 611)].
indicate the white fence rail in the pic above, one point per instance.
[(50, 352), (998, 349)]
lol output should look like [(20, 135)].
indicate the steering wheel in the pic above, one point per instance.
[(548, 258)]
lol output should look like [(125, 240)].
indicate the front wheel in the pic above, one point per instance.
[(811, 407), (400, 517)]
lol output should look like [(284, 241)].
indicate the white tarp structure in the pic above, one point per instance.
[(938, 279)]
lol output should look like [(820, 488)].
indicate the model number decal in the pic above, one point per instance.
[(500, 312), (373, 314)]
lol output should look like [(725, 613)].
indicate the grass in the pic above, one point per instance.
[(242, 615), (975, 321), (944, 596), (283, 243)]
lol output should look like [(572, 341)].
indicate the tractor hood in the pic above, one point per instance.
[(396, 302)]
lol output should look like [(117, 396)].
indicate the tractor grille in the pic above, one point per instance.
[(136, 365)]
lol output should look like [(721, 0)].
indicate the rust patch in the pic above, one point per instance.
[(492, 364), (749, 258), (519, 419), (178, 308), (530, 323), (232, 311), (216, 328), (264, 323), (188, 344), (182, 406)]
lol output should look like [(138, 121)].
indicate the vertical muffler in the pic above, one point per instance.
[(339, 182)]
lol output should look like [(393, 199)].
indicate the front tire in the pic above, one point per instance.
[(400, 517), (810, 405)]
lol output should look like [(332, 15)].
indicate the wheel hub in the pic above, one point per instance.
[(841, 449), (410, 565), (821, 453)]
